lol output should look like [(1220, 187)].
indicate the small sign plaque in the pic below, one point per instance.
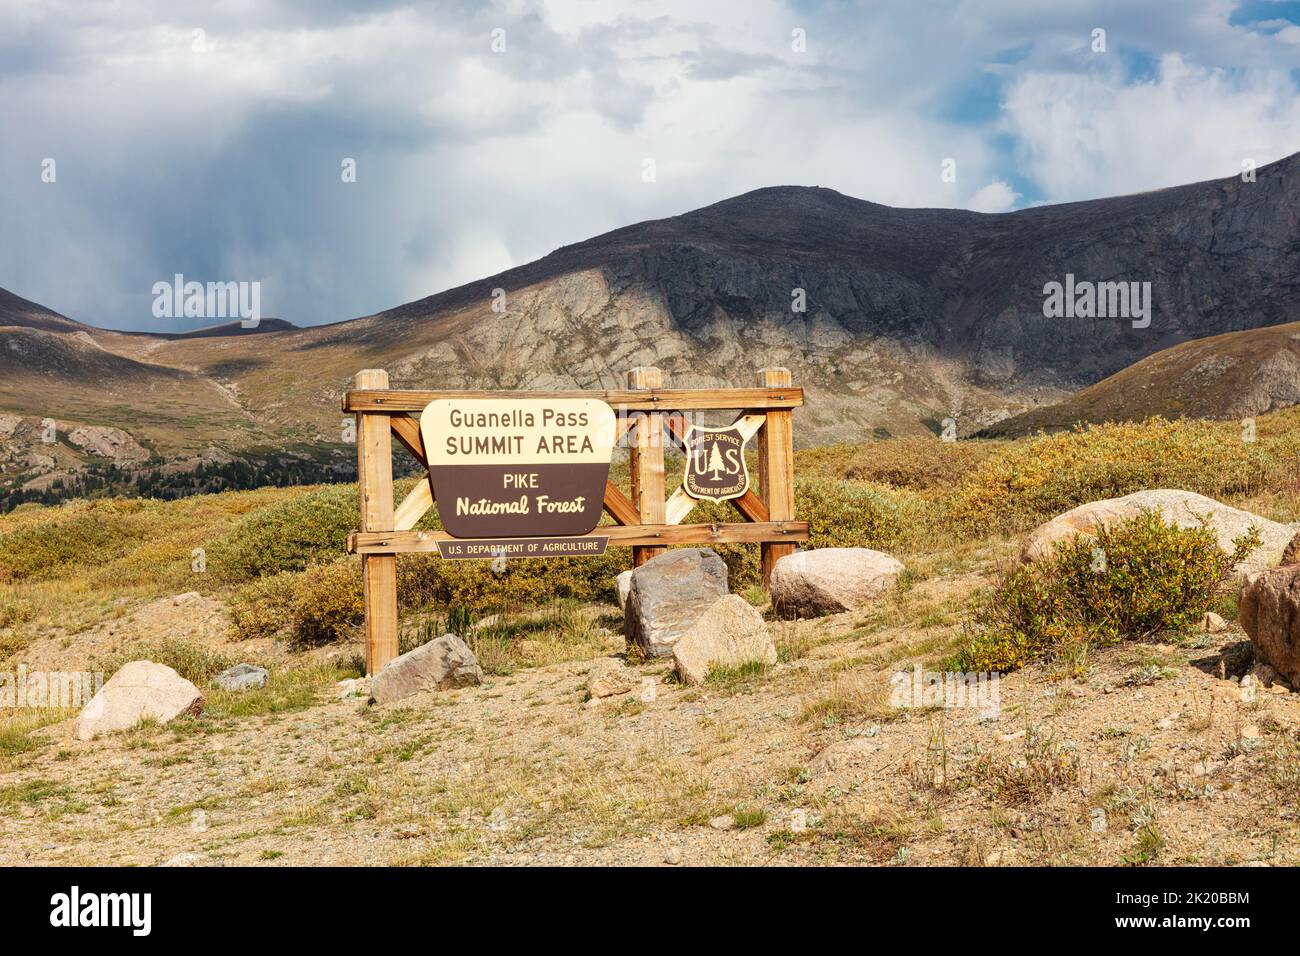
[(515, 468), (715, 463), (489, 548)]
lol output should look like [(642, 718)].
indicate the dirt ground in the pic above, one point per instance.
[(1155, 755)]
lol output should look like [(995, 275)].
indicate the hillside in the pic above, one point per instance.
[(1148, 751), (1234, 376), (913, 316)]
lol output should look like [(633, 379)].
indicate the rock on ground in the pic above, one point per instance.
[(1269, 612), (138, 690), (1291, 554), (668, 594), (609, 677), (623, 583), (1213, 623), (830, 580), (441, 664), (843, 753), (242, 677), (729, 634), (1184, 509)]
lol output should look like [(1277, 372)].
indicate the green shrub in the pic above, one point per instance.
[(1137, 578), (525, 582), (287, 536), (55, 541), (852, 514), (321, 604)]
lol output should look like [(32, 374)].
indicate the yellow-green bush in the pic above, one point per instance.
[(1137, 578), (321, 604), (288, 535), (194, 662), (52, 542), (852, 514), (918, 464), (14, 608), (1030, 480), (474, 585)]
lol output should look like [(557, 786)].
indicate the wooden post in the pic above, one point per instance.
[(375, 479), (776, 468), (647, 463)]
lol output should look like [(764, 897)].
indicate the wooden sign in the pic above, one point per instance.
[(525, 474), (715, 463), (518, 467)]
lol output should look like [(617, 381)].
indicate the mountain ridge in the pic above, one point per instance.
[(912, 318)]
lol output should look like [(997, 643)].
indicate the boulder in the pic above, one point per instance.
[(1213, 623), (830, 580), (242, 677), (441, 664), (353, 687), (610, 677), (1184, 509), (729, 634), (624, 584), (1291, 553), (668, 594), (139, 690), (1269, 612)]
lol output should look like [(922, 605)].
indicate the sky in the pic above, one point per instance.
[(140, 139)]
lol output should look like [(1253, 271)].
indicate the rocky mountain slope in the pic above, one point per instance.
[(910, 317), (1234, 376)]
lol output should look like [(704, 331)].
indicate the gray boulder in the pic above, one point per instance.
[(730, 633), (242, 677), (830, 580), (439, 665), (668, 594)]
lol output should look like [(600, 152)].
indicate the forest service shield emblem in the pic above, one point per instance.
[(715, 463)]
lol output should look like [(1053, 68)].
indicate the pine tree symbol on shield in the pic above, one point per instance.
[(715, 463)]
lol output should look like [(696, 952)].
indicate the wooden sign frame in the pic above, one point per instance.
[(644, 521)]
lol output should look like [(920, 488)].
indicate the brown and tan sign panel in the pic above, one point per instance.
[(514, 468), (715, 463)]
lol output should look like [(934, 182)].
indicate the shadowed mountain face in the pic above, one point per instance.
[(909, 317), (957, 286)]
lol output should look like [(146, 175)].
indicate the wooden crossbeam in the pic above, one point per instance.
[(413, 507), (407, 431), (619, 506), (681, 504), (620, 536), (393, 401)]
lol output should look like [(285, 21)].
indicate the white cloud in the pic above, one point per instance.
[(1087, 135), (227, 161), (997, 196)]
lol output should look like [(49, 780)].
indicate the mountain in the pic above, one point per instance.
[(1234, 376), (911, 317)]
